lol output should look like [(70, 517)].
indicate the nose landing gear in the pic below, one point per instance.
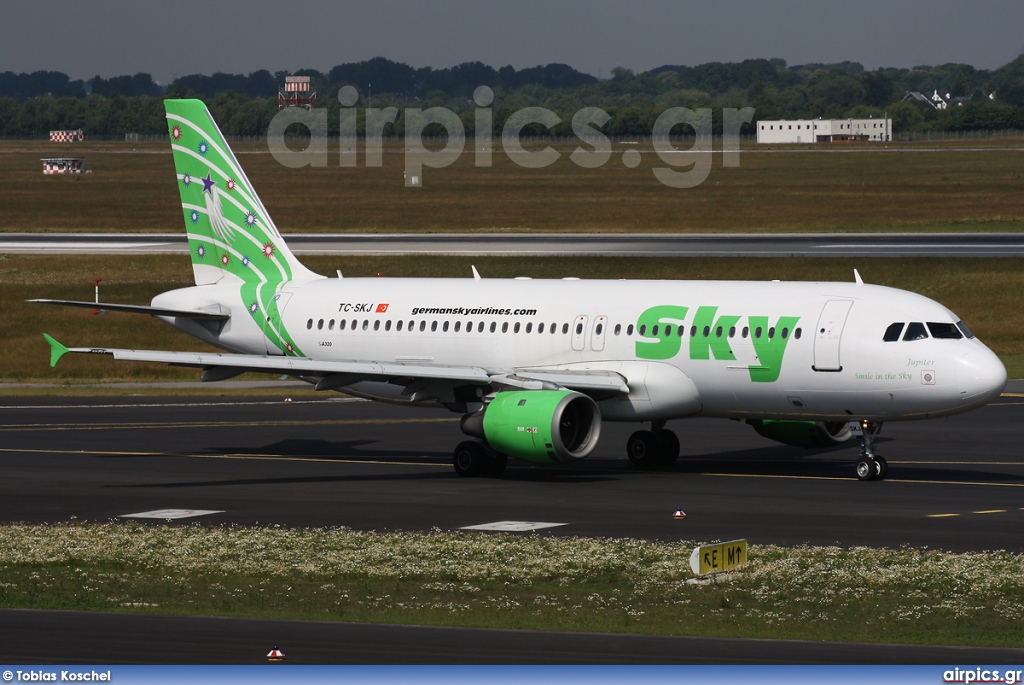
[(870, 466)]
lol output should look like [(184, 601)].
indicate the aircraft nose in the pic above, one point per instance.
[(980, 376)]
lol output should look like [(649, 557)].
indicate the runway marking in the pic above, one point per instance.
[(990, 511), (513, 526), (887, 480), (251, 457), (165, 514), (339, 400), (941, 516), (12, 427)]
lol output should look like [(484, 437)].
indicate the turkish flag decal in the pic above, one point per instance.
[(382, 308)]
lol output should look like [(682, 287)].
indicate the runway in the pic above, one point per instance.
[(955, 483), (534, 244)]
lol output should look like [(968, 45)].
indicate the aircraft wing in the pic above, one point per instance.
[(339, 373), (197, 314)]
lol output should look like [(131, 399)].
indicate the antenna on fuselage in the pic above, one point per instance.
[(857, 278), (476, 274)]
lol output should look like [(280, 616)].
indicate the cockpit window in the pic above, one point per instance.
[(915, 331), (963, 329), (892, 333), (944, 330)]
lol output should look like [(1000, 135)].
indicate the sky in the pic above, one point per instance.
[(181, 37)]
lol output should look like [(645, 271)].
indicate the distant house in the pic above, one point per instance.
[(936, 100), (823, 130)]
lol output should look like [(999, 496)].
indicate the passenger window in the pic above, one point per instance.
[(341, 324), (892, 333), (398, 325), (480, 327), (785, 333), (320, 325), (618, 328), (746, 331), (732, 331), (309, 325), (629, 329), (515, 329), (493, 326), (718, 332), (796, 333), (540, 328), (458, 326), (915, 331), (693, 331), (599, 329), (423, 325), (469, 326), (387, 325), (444, 327), (433, 326), (504, 327), (330, 325), (771, 332), (643, 329), (945, 331), (579, 329), (529, 327), (366, 324), (682, 331), (707, 331)]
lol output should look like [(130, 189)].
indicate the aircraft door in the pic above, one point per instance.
[(579, 333), (273, 328), (597, 337), (828, 333)]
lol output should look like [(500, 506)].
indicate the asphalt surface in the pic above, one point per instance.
[(583, 244), (328, 462), (954, 483)]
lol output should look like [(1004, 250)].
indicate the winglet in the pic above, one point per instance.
[(56, 350)]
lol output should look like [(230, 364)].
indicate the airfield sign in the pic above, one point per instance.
[(724, 556)]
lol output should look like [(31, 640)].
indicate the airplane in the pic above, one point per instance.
[(536, 366)]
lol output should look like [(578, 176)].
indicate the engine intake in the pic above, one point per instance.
[(539, 426)]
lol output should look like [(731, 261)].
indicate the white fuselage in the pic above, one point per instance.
[(747, 350)]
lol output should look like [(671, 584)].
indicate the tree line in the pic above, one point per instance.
[(33, 104)]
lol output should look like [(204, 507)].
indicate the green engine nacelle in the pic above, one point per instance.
[(804, 433), (540, 426)]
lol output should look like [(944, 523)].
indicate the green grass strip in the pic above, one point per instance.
[(514, 581)]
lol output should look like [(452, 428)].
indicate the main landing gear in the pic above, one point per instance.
[(870, 466), (472, 458), (651, 449)]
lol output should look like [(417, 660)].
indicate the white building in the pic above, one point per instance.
[(823, 130)]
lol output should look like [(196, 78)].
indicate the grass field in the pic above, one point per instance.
[(972, 186), (987, 294), (514, 581)]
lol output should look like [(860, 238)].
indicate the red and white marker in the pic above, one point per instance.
[(678, 514), (275, 655)]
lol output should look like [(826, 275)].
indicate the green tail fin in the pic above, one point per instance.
[(230, 233), (56, 350)]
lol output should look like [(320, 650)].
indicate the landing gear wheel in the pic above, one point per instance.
[(642, 448), (469, 459), (472, 459), (881, 467), (867, 469), (494, 464), (669, 446)]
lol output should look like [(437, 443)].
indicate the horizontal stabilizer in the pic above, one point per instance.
[(197, 314)]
